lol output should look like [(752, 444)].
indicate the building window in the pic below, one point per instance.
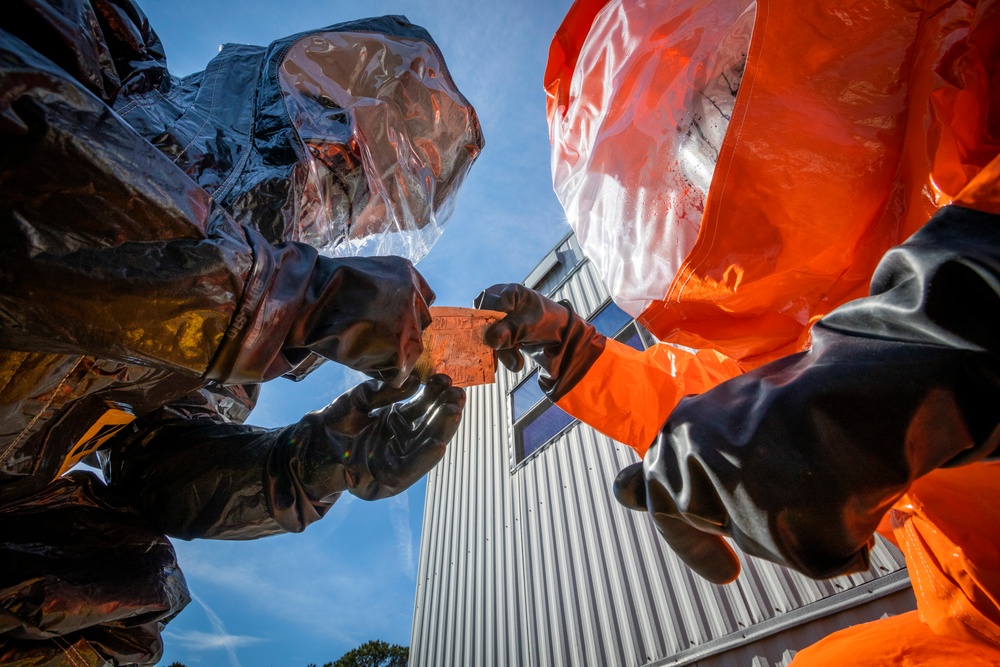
[(537, 420), (540, 425), (558, 265)]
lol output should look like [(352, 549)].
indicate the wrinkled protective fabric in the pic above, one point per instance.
[(853, 124), (954, 562), (781, 267), (308, 128), (652, 383), (897, 641), (390, 140), (637, 121), (890, 108), (563, 344), (84, 574), (954, 566), (144, 276), (367, 442), (799, 460)]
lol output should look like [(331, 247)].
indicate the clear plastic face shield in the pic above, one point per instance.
[(389, 140)]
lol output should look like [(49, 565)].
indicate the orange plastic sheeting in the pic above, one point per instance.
[(819, 175), (948, 527), (983, 193), (627, 394), (564, 51), (852, 125), (898, 641)]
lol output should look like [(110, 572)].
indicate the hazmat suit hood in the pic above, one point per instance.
[(352, 138), (634, 172)]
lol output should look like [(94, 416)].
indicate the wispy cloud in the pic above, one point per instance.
[(404, 536), (206, 641), (336, 570), (218, 639)]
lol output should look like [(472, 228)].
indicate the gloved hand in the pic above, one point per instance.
[(799, 460), (364, 312), (701, 547), (369, 443), (196, 474), (562, 343)]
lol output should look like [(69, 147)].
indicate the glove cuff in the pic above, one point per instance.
[(571, 357), (251, 351), (365, 313)]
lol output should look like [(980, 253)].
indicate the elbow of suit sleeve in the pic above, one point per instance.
[(628, 394)]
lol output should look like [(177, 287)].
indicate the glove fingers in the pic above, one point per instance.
[(510, 299), (498, 297), (498, 335), (439, 423), (426, 293), (512, 359), (630, 487), (427, 447), (373, 394), (443, 422), (707, 554), (434, 392)]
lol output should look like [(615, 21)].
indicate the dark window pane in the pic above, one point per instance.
[(611, 320), (543, 428), (635, 341), (526, 395)]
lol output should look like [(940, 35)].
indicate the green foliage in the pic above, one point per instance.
[(375, 653)]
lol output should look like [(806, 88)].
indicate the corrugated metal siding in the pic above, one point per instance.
[(541, 567)]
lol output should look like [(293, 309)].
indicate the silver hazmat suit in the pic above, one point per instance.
[(167, 244)]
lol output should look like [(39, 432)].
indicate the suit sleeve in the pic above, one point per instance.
[(799, 459), (628, 394), (196, 471), (108, 248)]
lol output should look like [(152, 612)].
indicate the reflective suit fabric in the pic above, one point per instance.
[(760, 274), (954, 566), (192, 303), (755, 281), (658, 378)]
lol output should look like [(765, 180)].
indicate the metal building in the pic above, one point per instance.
[(527, 560)]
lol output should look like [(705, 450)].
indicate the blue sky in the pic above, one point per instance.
[(292, 600)]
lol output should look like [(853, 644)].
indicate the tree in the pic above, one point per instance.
[(177, 664), (375, 653)]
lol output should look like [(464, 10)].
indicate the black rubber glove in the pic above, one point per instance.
[(368, 443), (364, 312), (561, 342), (194, 474), (700, 546), (799, 460)]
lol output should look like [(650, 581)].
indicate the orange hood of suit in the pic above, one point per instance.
[(852, 125)]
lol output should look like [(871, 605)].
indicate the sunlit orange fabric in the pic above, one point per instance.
[(852, 126), (564, 50), (898, 641), (855, 121), (948, 526), (649, 383)]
